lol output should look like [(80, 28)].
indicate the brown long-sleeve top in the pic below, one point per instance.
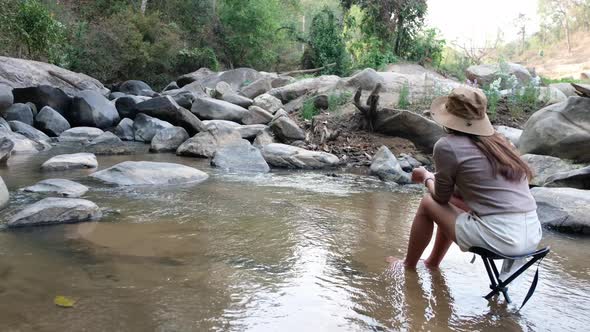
[(460, 165)]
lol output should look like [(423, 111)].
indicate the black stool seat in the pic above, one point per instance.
[(500, 286)]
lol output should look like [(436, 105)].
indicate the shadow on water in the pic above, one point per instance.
[(286, 251)]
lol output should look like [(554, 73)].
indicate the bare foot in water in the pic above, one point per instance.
[(430, 265)]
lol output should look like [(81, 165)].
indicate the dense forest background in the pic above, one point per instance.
[(157, 40)]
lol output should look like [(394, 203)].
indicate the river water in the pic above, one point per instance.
[(285, 251)]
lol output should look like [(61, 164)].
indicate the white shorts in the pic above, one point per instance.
[(510, 234)]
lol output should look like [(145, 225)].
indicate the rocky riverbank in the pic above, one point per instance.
[(250, 121)]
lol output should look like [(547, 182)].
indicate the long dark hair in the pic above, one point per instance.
[(503, 156)]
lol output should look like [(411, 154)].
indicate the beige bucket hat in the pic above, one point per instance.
[(464, 110)]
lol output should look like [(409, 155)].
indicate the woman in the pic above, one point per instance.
[(478, 171)]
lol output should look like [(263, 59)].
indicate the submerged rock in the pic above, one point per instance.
[(386, 166), (564, 209), (4, 195), (287, 156), (70, 161), (138, 173), (51, 211), (59, 187), (51, 122), (168, 139), (80, 134), (240, 156)]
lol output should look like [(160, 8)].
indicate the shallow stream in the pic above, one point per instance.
[(285, 251)]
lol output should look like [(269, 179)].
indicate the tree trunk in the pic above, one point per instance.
[(144, 4), (567, 34)]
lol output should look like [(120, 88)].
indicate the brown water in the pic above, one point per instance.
[(286, 251)]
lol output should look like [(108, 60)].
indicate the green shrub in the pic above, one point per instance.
[(189, 60), (336, 100), (492, 92), (326, 45), (404, 97), (427, 48), (308, 111)]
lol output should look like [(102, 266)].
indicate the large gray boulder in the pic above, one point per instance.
[(142, 173), (237, 100), (136, 88), (168, 139), (52, 210), (124, 130), (268, 103), (288, 156), (196, 76), (58, 187), (258, 87), (285, 129), (579, 178), (127, 106), (30, 132), (91, 109), (183, 98), (545, 166), (146, 127), (424, 133), (264, 137), (51, 122), (4, 195), (80, 134), (487, 73), (257, 115), (250, 132), (21, 143), (206, 143), (70, 161), (19, 112), (44, 95), (564, 209), (6, 97), (308, 86), (512, 134), (20, 73), (165, 108), (560, 130), (6, 147), (106, 138), (4, 124), (236, 78), (240, 156), (366, 79), (550, 96), (386, 166), (213, 109), (566, 88)]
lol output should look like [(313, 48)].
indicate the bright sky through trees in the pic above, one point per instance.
[(479, 20)]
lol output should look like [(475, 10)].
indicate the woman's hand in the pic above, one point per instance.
[(420, 174)]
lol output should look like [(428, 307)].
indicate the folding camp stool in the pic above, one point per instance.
[(496, 284)]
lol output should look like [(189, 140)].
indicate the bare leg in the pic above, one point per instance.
[(442, 243), (428, 213)]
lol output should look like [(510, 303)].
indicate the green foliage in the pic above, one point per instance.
[(404, 97), (427, 48), (335, 100), (128, 45), (193, 59), (309, 110), (492, 92), (326, 45), (249, 32), (547, 81), (526, 99), (33, 27), (454, 64)]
